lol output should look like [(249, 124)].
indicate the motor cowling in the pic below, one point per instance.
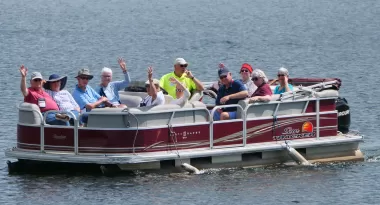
[(344, 117)]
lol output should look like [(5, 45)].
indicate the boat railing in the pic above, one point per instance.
[(212, 122)]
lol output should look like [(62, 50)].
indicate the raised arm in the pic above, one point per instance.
[(23, 71), (124, 83), (198, 84), (186, 92), (151, 84)]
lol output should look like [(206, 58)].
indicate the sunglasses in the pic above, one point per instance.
[(222, 77), (279, 75), (84, 78), (179, 90), (183, 65), (244, 71), (37, 80), (255, 79)]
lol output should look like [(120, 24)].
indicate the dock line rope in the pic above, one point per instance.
[(173, 135), (128, 124)]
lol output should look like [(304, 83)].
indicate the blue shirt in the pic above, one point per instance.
[(277, 91), (85, 97), (235, 87), (112, 89)]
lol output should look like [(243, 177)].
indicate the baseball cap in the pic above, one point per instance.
[(36, 75), (180, 61)]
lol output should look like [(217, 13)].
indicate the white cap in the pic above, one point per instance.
[(155, 81), (36, 75), (180, 61)]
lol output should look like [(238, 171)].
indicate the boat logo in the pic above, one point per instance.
[(307, 127), (59, 137)]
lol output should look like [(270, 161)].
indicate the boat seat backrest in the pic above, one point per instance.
[(130, 100), (140, 94), (147, 116), (27, 115)]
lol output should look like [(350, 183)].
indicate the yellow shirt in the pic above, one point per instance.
[(170, 87)]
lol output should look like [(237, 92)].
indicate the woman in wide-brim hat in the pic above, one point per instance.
[(65, 101), (53, 79)]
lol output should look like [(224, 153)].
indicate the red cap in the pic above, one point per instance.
[(246, 66)]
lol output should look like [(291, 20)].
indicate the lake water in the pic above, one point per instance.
[(313, 38)]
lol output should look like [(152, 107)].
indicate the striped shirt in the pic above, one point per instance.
[(64, 100)]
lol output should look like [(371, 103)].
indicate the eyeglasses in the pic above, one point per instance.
[(179, 90), (37, 80), (222, 77), (255, 79), (84, 78), (56, 81), (183, 65), (244, 71), (279, 75)]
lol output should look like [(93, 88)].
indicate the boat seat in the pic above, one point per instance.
[(130, 100), (27, 115), (147, 116)]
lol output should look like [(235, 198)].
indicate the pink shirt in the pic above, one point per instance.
[(34, 95)]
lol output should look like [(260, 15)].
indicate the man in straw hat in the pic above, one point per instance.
[(36, 95), (65, 101), (86, 97)]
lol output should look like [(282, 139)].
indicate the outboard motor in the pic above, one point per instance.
[(344, 117)]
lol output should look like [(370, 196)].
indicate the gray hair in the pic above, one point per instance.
[(260, 74), (106, 70), (283, 71)]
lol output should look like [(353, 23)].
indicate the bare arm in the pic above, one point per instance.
[(198, 84), (151, 84), (91, 106), (23, 71), (239, 95)]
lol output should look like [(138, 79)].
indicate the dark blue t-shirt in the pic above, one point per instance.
[(235, 87)]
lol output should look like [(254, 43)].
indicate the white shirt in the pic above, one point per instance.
[(160, 100), (251, 87), (64, 99)]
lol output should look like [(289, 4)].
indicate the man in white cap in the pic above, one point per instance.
[(36, 95), (182, 75)]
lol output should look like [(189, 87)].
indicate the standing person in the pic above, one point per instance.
[(155, 95), (36, 95), (86, 97), (229, 93), (111, 89), (182, 75), (263, 91), (65, 101), (283, 77), (245, 74)]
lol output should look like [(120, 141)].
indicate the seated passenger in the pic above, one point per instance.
[(65, 101), (263, 91), (245, 73), (183, 75), (111, 89), (182, 94), (229, 93), (36, 95), (283, 77), (86, 97), (155, 95)]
